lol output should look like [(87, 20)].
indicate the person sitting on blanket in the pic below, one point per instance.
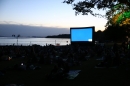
[(54, 70), (107, 61), (63, 71), (59, 72), (66, 69), (116, 59)]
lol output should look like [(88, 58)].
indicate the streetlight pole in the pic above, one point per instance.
[(16, 37)]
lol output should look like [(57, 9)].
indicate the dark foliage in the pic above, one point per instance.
[(86, 6), (115, 33)]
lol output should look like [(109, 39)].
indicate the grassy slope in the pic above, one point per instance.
[(89, 76)]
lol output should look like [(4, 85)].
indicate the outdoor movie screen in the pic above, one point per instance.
[(82, 34)]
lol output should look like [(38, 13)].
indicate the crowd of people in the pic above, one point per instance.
[(63, 56)]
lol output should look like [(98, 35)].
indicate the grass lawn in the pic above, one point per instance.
[(89, 76)]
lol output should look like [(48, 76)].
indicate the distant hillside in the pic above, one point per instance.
[(59, 36), (97, 35)]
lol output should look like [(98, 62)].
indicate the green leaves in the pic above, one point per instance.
[(123, 17)]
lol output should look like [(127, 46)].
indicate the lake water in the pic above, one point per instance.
[(30, 41)]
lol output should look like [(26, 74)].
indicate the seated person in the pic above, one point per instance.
[(66, 68), (53, 73), (107, 62), (22, 66), (54, 70)]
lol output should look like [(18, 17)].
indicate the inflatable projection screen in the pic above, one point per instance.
[(82, 35)]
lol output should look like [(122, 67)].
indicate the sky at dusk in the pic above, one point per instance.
[(41, 15)]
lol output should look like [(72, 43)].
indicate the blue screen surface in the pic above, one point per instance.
[(81, 34)]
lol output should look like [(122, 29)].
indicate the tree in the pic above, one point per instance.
[(115, 33), (118, 15), (86, 6), (99, 35)]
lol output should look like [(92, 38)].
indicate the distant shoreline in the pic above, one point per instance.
[(59, 36), (22, 37), (50, 36)]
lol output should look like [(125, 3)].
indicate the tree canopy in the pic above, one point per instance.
[(118, 11), (118, 15), (86, 6)]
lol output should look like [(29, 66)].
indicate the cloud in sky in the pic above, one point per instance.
[(46, 13), (28, 30)]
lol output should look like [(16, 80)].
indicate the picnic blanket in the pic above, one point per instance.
[(73, 73), (102, 58)]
